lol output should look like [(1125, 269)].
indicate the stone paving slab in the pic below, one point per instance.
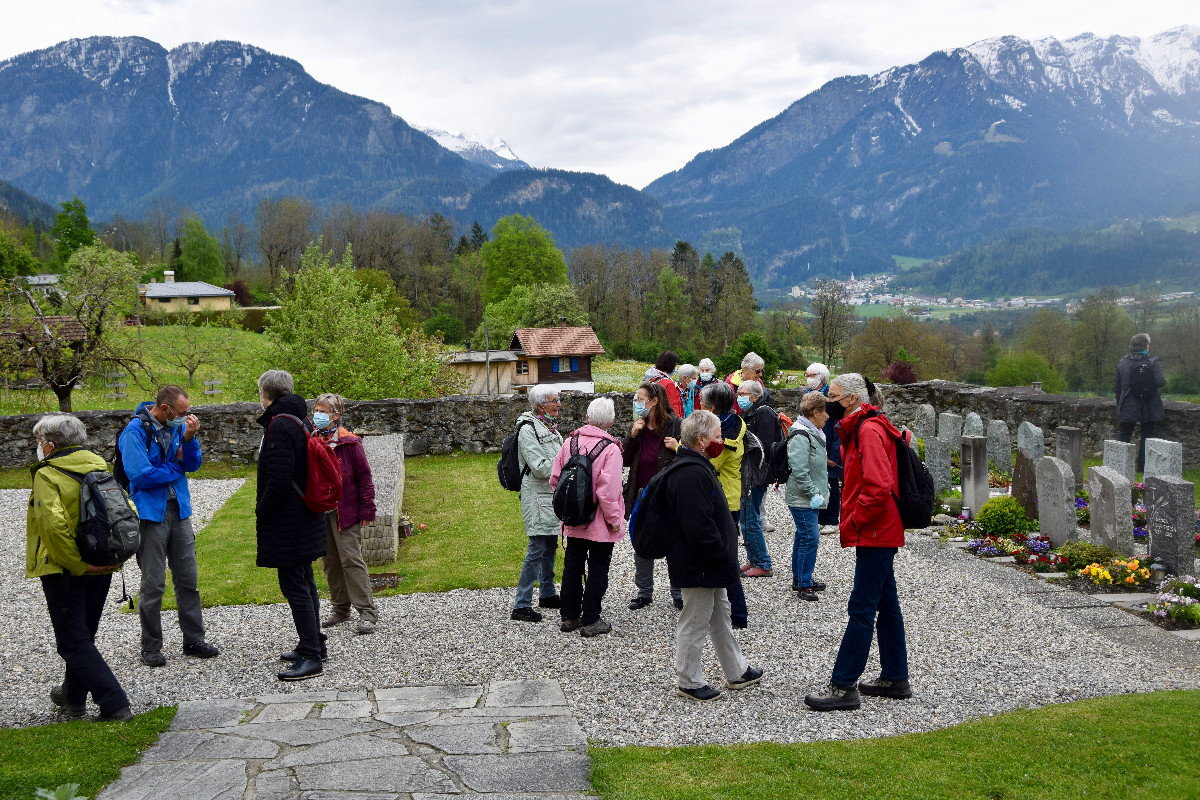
[(505, 740)]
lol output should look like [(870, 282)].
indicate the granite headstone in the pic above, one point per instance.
[(924, 422), (950, 428), (1000, 446), (1164, 457), (974, 474), (1031, 440), (1171, 520), (937, 460), (973, 425), (1068, 446), (1110, 500), (1056, 500), (1122, 457), (1024, 483)]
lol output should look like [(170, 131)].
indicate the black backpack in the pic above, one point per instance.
[(118, 463), (651, 529), (914, 495), (754, 462), (508, 468), (108, 532), (1141, 381), (778, 468), (574, 501)]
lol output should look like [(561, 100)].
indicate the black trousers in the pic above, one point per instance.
[(75, 604), (298, 587), (1147, 433), (575, 596), (831, 513)]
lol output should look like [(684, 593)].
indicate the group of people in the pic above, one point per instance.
[(708, 439), (155, 452)]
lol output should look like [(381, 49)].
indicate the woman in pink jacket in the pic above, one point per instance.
[(592, 543)]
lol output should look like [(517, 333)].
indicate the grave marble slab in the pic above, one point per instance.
[(1024, 483), (537, 692), (950, 428), (1164, 457), (1110, 503), (1056, 500), (937, 459), (999, 444), (1031, 439), (1068, 446), (972, 425), (974, 474), (1122, 457), (523, 772), (1171, 520), (924, 425)]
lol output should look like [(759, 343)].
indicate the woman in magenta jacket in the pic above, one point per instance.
[(592, 543)]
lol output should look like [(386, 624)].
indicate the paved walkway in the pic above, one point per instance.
[(504, 740)]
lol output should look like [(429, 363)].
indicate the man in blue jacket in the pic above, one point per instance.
[(158, 447)]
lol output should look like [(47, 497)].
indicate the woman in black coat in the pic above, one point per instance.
[(290, 536)]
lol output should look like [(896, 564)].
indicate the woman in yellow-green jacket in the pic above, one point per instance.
[(75, 591)]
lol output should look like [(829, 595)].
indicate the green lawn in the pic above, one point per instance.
[(1131, 746), (618, 375), (18, 477), (84, 752)]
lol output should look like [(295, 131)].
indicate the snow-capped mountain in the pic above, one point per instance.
[(490, 151)]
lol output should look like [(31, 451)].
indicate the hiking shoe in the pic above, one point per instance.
[(702, 693), (200, 650), (550, 602), (122, 714), (525, 615), (678, 602), (829, 530), (334, 619), (758, 572), (59, 698), (291, 655), (742, 569), (882, 687), (153, 658), (751, 676), (818, 586), (302, 670), (569, 625), (365, 626), (639, 602), (595, 629), (834, 698), (808, 593)]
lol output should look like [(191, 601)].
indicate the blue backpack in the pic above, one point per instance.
[(651, 529)]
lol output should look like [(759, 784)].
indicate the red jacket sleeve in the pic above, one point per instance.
[(673, 396)]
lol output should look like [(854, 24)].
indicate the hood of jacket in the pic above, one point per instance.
[(849, 424), (285, 404), (72, 459)]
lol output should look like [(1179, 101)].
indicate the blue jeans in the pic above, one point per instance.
[(874, 593), (804, 545), (752, 532), (539, 567)]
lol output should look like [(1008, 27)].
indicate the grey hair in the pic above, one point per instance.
[(61, 430), (753, 387), (811, 403), (539, 394), (752, 359), (601, 413), (700, 423), (706, 363), (686, 371), (275, 383), (719, 396), (820, 369), (852, 383), (333, 401)]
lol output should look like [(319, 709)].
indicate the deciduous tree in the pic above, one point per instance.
[(199, 255), (1100, 335), (834, 319), (71, 229), (284, 229), (519, 252)]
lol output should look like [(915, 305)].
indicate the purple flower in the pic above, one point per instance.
[(1140, 534), (1080, 503)]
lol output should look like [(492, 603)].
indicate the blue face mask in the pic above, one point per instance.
[(692, 384), (639, 408), (744, 403), (321, 420), (175, 423)]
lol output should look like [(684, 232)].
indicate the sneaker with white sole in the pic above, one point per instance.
[(751, 676), (834, 698), (701, 693)]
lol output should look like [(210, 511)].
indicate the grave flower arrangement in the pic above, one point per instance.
[(1139, 515), (1083, 514), (1118, 572), (1140, 534), (1178, 600)]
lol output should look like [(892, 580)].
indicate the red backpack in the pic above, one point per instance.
[(324, 484)]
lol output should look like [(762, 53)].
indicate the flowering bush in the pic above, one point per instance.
[(1117, 572), (1080, 553), (1178, 599), (1083, 513), (1025, 549), (1049, 562), (1138, 491)]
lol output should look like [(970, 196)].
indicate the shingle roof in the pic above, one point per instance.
[(480, 356), (561, 341), (155, 291), (67, 329)]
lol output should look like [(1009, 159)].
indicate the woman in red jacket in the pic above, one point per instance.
[(871, 524)]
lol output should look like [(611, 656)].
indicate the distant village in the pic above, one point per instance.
[(873, 290)]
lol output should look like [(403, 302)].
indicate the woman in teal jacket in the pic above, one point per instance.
[(807, 490)]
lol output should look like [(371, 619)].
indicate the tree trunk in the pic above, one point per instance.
[(63, 393)]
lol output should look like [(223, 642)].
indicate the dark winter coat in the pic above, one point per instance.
[(870, 517), (705, 553), (288, 533), (631, 447), (357, 503), (763, 421), (1130, 408)]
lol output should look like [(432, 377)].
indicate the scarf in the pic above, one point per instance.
[(551, 423), (803, 420)]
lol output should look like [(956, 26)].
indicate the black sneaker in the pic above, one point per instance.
[(882, 687), (597, 628), (59, 698), (834, 698), (290, 655), (818, 586), (569, 625), (751, 676), (639, 602), (678, 601), (200, 650), (525, 615), (153, 659), (550, 602), (808, 593), (122, 714), (302, 670), (702, 693)]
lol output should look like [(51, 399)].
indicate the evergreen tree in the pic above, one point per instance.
[(479, 236)]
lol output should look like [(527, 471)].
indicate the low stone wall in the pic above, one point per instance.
[(479, 424)]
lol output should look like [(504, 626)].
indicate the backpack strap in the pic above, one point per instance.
[(307, 434)]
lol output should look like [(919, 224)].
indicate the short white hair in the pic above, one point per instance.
[(707, 364), (686, 371), (601, 413), (820, 369), (853, 383), (539, 394), (753, 360), (700, 423), (753, 387), (275, 383), (61, 430)]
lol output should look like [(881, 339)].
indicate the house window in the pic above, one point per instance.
[(522, 367), (165, 299), (193, 301), (562, 365)]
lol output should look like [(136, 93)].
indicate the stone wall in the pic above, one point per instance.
[(479, 424)]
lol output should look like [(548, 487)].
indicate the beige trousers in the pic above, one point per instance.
[(346, 571), (705, 615)]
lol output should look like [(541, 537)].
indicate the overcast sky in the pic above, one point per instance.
[(632, 89)]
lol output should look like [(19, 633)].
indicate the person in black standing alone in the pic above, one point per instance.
[(290, 536), (1139, 377)]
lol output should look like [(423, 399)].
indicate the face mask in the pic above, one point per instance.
[(714, 448), (175, 423), (706, 376), (321, 420), (744, 403), (692, 384), (814, 383), (38, 448), (639, 408), (835, 409)]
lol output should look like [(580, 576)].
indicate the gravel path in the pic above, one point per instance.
[(982, 639)]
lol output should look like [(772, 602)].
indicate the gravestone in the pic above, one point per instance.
[(925, 422), (1164, 458), (974, 474), (1024, 483), (950, 428), (1068, 446), (937, 460), (999, 445), (1171, 520), (1122, 457), (973, 425), (1056, 500), (1031, 440), (1110, 500)]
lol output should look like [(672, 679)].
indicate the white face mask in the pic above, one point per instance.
[(38, 448), (814, 383), (706, 376)]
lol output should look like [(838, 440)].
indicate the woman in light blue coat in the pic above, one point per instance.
[(807, 490), (537, 444)]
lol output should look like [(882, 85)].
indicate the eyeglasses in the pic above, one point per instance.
[(838, 399)]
